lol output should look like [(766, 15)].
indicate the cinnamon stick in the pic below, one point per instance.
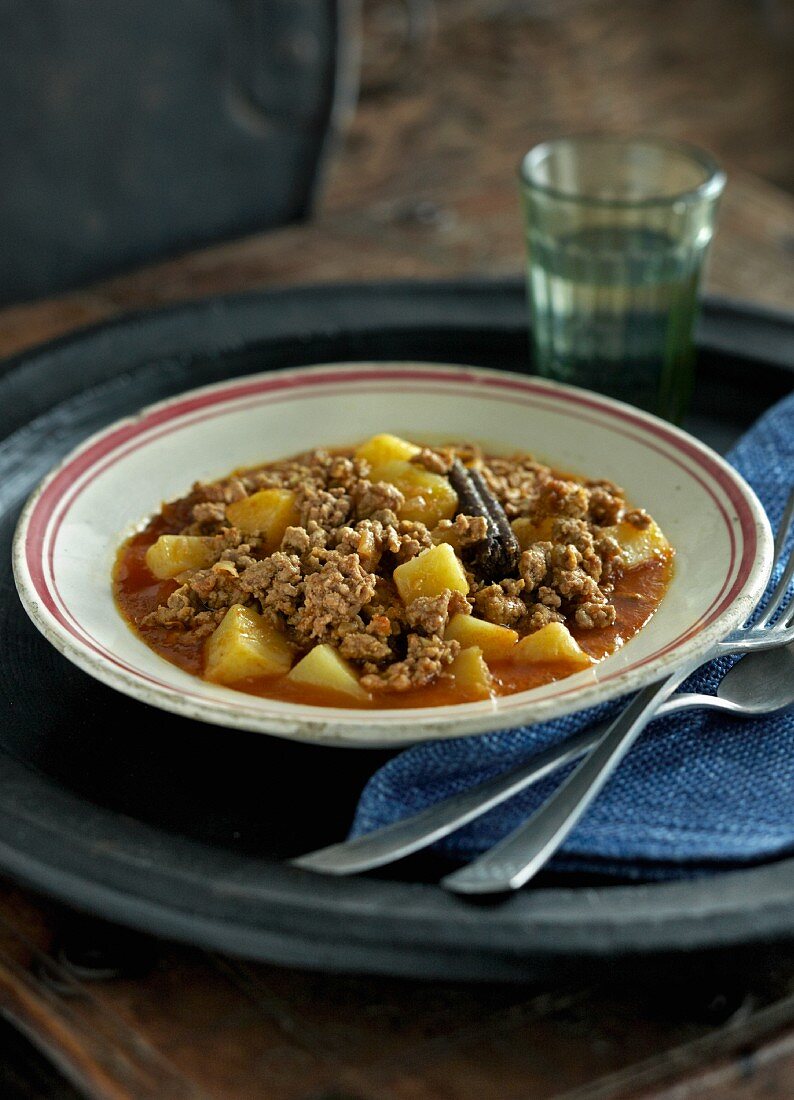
[(499, 554)]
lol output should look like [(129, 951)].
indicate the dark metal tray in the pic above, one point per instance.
[(182, 830)]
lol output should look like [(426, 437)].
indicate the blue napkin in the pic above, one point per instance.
[(699, 790)]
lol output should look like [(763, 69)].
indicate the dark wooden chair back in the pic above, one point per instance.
[(130, 131)]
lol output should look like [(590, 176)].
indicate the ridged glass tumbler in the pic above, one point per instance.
[(617, 232)]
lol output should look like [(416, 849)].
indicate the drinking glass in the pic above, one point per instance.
[(617, 231)]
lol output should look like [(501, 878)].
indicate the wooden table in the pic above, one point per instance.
[(424, 187)]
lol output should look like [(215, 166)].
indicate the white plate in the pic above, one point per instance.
[(73, 524)]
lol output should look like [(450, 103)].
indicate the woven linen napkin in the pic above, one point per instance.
[(698, 790)]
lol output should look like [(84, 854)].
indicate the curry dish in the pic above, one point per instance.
[(393, 575)]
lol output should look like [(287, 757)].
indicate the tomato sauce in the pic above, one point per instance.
[(637, 595)]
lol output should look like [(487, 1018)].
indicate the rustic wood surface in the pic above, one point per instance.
[(154, 1020), (424, 186)]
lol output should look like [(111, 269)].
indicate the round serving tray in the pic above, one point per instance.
[(176, 828)]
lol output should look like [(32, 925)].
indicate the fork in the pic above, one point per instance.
[(411, 834), (515, 860)]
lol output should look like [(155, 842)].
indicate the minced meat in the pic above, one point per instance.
[(425, 660), (331, 578)]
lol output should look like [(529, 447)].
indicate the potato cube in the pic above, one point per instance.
[(553, 642), (429, 497), (430, 573), (173, 554), (639, 545), (243, 645), (322, 667), (529, 530), (267, 513), (495, 642), (471, 674), (384, 448)]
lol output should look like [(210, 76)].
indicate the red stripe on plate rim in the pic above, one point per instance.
[(144, 438), (61, 490)]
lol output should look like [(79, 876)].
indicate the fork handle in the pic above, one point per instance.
[(517, 858), (420, 830), (411, 834)]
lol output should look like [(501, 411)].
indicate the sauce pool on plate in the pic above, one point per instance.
[(393, 576)]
